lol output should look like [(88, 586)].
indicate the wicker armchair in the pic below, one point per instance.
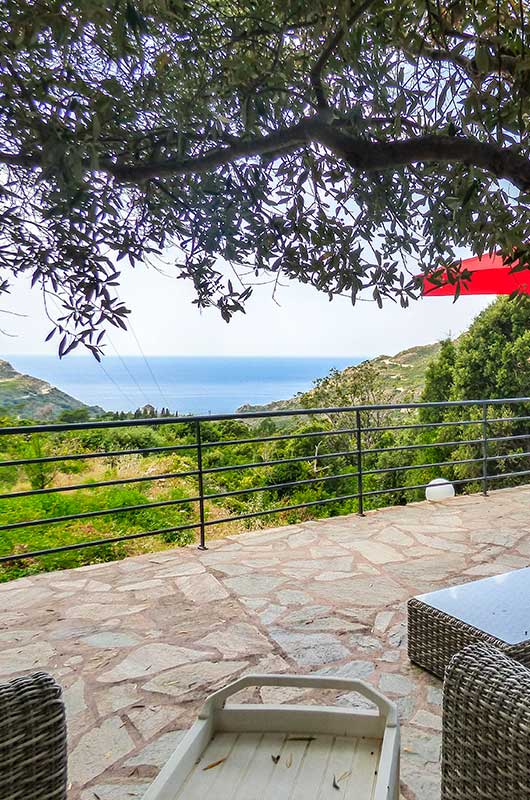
[(32, 739), (486, 727)]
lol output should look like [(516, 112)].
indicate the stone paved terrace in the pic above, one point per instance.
[(138, 643)]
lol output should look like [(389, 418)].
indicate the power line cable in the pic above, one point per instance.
[(128, 400), (165, 400), (128, 371)]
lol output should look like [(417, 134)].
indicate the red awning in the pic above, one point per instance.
[(488, 276)]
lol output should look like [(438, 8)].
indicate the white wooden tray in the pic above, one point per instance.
[(286, 752)]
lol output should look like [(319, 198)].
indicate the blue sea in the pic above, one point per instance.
[(186, 385)]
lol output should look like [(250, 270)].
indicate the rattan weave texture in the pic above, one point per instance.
[(32, 739), (435, 637), (486, 727)]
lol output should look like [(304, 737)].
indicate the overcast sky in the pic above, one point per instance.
[(304, 323)]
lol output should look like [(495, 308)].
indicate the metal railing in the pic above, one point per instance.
[(358, 437)]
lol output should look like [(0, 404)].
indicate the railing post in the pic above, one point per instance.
[(200, 477), (484, 449), (358, 436)]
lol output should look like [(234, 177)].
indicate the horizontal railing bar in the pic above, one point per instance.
[(294, 460), (509, 474), (509, 438), (304, 412), (420, 486), (99, 484), (310, 414), (126, 537), (374, 450), (278, 510), (508, 455), (273, 486), (283, 437), (96, 542), (422, 466), (193, 446), (101, 454), (417, 425), (458, 443), (492, 420), (100, 513)]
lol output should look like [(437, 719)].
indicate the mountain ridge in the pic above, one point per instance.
[(26, 397), (403, 374)]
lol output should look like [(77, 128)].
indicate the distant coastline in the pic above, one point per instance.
[(184, 384)]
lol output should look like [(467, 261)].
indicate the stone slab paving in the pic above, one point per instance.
[(137, 644)]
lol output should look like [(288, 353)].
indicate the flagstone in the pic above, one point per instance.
[(310, 649), (150, 659), (116, 791), (18, 636), (352, 670), (377, 552), (281, 694), (29, 657), (271, 613), (111, 639), (366, 591), (258, 563), (394, 536), (156, 753), (497, 535), (24, 598), (191, 677), (303, 538), (434, 695), (293, 597), (149, 720), (74, 699), (98, 749), (232, 570), (498, 566), (426, 719), (254, 603), (99, 611), (20, 583), (329, 576), (114, 698), (328, 553), (253, 585), (240, 639), (203, 588), (331, 624), (96, 586), (405, 706), (423, 571), (391, 656), (272, 662), (176, 570), (437, 543), (395, 684), (318, 597), (155, 583), (382, 621)]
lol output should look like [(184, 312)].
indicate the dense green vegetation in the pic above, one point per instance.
[(491, 360)]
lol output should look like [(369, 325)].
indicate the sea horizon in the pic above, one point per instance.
[(184, 384)]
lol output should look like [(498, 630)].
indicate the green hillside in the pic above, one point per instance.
[(404, 373), (402, 377), (25, 397)]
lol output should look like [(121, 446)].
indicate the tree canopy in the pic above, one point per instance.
[(490, 360), (347, 144)]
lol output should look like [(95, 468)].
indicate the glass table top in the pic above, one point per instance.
[(499, 605)]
